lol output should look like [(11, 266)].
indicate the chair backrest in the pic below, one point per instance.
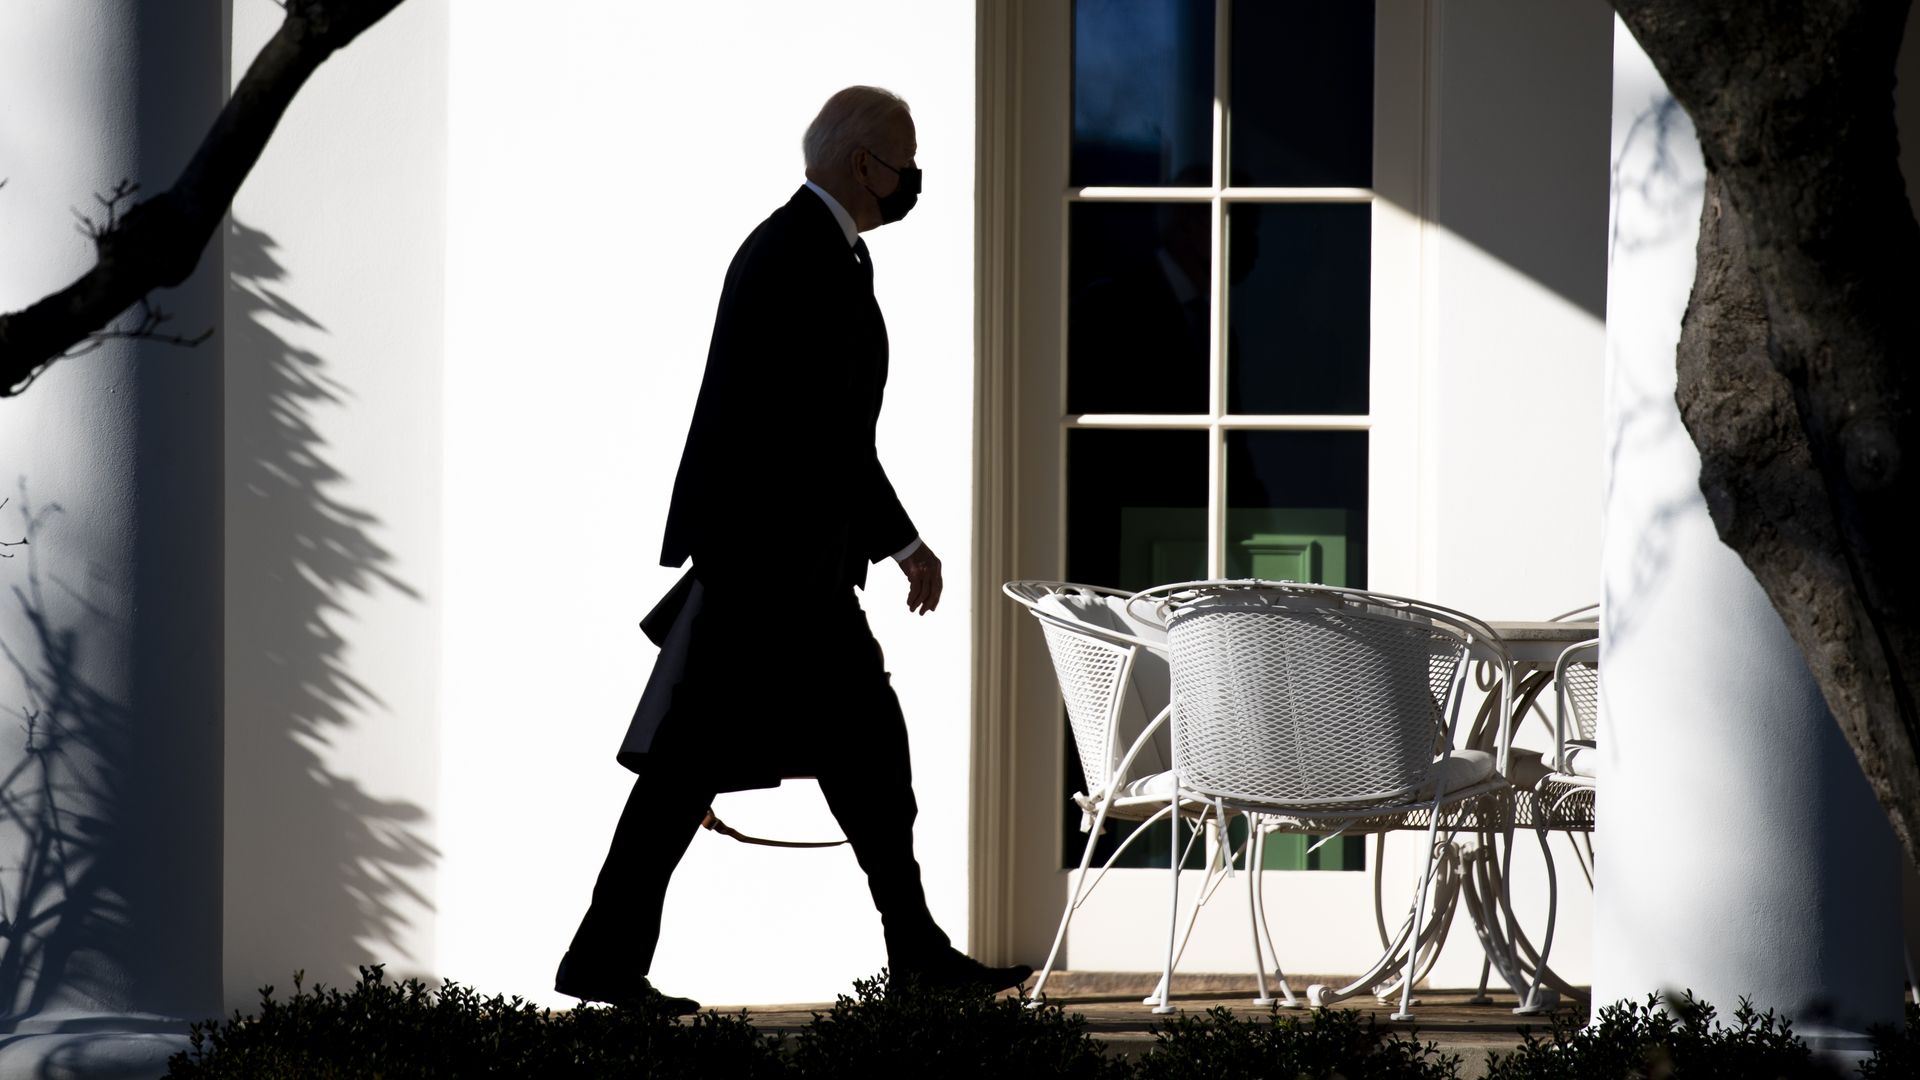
[(1311, 697), (1112, 670), (1578, 676)]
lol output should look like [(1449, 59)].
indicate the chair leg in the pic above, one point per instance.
[(1208, 885), (1257, 895), (1446, 889), (1419, 909), (1533, 1005), (1442, 901), (1517, 942), (1500, 937), (1254, 835), (1320, 995), (1073, 904), (1176, 857), (1480, 995)]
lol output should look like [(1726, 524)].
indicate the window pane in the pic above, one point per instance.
[(1297, 311), (1301, 93), (1136, 507), (1142, 92), (1137, 307), (1297, 506)]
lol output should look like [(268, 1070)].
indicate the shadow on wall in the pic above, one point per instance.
[(57, 803), (1658, 205), (1512, 156), (319, 871)]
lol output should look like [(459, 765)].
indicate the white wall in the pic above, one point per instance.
[(606, 159), (109, 595), (333, 614), (1517, 348), (1520, 268), (1771, 873)]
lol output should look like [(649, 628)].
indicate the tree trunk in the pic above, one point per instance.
[(1797, 358)]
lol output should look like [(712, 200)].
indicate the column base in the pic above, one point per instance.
[(91, 1046), (1839, 1049)]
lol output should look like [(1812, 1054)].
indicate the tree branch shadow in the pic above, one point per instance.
[(321, 872), (57, 804), (1656, 185)]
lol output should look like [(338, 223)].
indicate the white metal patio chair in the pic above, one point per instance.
[(1562, 800), (1545, 813), (1113, 675), (1328, 710)]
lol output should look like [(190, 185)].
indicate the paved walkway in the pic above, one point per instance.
[(1116, 1016)]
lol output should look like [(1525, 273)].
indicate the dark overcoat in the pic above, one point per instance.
[(781, 503)]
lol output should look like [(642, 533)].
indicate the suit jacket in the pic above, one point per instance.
[(779, 478), (780, 492)]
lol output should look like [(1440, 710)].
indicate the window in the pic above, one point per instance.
[(1218, 291), (1202, 326)]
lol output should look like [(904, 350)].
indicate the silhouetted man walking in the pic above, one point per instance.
[(768, 669)]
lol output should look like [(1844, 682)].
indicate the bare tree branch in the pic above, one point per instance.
[(93, 228), (158, 241)]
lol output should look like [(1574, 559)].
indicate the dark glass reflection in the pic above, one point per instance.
[(1136, 516), (1137, 307), (1297, 506), (1297, 323), (1288, 851), (1301, 93), (1142, 92), (1136, 507)]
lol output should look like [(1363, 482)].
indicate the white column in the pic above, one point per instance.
[(1741, 852), (110, 695)]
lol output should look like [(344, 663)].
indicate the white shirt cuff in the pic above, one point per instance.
[(901, 555)]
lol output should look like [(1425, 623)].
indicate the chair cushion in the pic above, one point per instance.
[(1526, 768), (1157, 786), (1136, 800), (1463, 769), (1583, 758)]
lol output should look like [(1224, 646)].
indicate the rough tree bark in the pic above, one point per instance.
[(159, 240), (1797, 357)]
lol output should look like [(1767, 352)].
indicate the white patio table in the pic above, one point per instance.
[(1534, 646)]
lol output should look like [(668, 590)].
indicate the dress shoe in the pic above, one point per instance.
[(624, 993), (953, 969)]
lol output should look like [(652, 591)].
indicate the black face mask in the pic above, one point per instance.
[(894, 206)]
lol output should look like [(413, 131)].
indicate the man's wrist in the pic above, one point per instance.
[(903, 553)]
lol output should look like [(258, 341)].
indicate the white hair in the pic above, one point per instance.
[(853, 118)]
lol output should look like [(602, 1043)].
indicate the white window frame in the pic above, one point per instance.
[(1024, 135)]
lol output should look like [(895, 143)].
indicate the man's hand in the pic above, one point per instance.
[(923, 579)]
